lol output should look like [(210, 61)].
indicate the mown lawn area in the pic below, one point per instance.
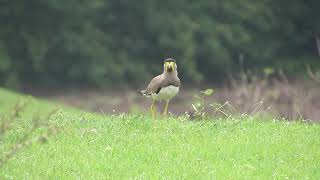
[(132, 146)]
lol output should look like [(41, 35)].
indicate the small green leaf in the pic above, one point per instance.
[(208, 92), (268, 71)]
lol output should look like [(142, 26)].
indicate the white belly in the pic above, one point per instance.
[(166, 93)]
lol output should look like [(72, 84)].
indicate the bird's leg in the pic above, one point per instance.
[(153, 113), (165, 112)]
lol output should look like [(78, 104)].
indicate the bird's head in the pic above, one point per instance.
[(170, 65)]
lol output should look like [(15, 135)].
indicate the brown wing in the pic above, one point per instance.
[(159, 81), (154, 85)]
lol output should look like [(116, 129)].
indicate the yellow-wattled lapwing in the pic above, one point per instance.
[(164, 86)]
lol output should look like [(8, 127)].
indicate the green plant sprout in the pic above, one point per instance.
[(199, 106)]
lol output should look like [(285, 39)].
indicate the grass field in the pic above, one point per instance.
[(93, 146)]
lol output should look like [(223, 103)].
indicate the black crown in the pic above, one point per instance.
[(169, 60)]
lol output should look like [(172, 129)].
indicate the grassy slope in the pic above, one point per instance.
[(93, 146)]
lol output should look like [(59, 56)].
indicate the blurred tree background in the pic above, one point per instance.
[(102, 43)]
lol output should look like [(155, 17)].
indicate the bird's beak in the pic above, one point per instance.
[(169, 67)]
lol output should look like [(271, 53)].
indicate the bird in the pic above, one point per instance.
[(164, 86)]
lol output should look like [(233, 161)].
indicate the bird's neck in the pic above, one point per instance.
[(170, 74)]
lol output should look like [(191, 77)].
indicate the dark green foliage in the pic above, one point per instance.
[(105, 43)]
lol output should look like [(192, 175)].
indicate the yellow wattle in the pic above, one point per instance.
[(169, 63)]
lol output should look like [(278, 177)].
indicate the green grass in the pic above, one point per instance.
[(93, 146)]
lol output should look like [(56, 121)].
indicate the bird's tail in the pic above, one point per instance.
[(143, 93)]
